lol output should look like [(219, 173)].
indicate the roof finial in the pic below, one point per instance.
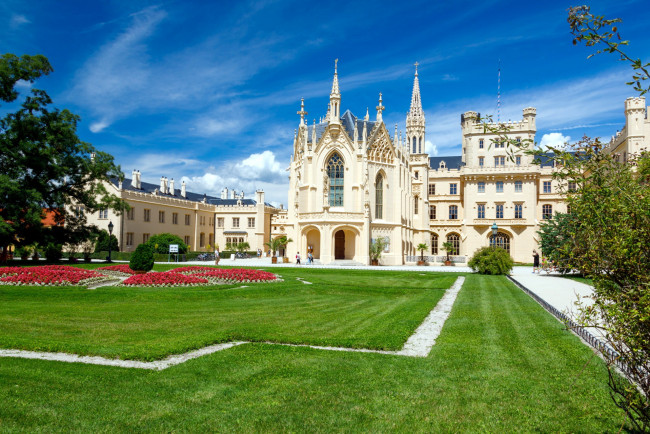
[(367, 117), (380, 108), (302, 111), (416, 114), (416, 68)]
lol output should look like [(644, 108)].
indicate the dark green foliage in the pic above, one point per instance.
[(142, 258), (103, 242), (53, 252), (491, 260), (159, 243), (557, 239), (44, 165)]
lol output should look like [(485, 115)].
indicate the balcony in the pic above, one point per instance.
[(502, 222)]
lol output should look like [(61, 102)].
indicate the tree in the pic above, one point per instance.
[(556, 239), (491, 260), (421, 248), (377, 248), (448, 247), (44, 165), (104, 241), (242, 247), (160, 243)]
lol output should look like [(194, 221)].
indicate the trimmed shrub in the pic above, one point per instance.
[(491, 260), (160, 243), (53, 252), (142, 258), (103, 241)]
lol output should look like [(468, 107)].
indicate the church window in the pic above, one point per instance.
[(547, 212), (211, 239), (414, 146), (432, 212), (499, 186), (335, 172), (453, 188), (434, 244), (454, 239), (518, 186), (453, 212), (187, 219), (499, 211), (432, 188), (481, 187), (481, 211), (416, 205), (130, 214), (379, 197)]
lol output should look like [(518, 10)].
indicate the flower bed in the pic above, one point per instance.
[(233, 275), (164, 279), (49, 275), (118, 270)]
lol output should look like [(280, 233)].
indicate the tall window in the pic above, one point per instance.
[(434, 244), (481, 211), (202, 240), (235, 222), (432, 188), (454, 239), (251, 222), (129, 238), (572, 186), (453, 188), (103, 213), (219, 222), (147, 215), (145, 238), (453, 212), (416, 205), (432, 212), (499, 186), (518, 160), (500, 240), (335, 171), (130, 214), (547, 187), (481, 187), (481, 161), (379, 197), (480, 143), (499, 209), (187, 220), (547, 212), (518, 186), (174, 218), (519, 211), (161, 216), (499, 161), (186, 240)]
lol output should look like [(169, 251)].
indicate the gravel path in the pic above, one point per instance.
[(419, 344)]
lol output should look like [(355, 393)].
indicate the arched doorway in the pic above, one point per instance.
[(339, 244), (500, 240), (312, 238)]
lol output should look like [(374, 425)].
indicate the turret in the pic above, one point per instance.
[(529, 117), (415, 123)]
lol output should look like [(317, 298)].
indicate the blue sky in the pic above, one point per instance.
[(208, 91)]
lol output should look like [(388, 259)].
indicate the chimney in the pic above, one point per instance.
[(162, 185), (134, 179), (259, 196), (139, 182), (171, 187), (241, 196), (224, 193), (183, 191), (233, 194)]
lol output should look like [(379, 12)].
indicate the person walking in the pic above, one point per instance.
[(535, 262), (298, 258), (310, 258), (217, 256)]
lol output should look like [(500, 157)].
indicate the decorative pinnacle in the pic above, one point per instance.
[(302, 111), (416, 68), (416, 113), (380, 107), (335, 83)]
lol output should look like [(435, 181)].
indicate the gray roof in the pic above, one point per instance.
[(348, 121), (452, 162), (148, 187)]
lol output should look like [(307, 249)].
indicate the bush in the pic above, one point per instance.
[(164, 240), (142, 258), (53, 252), (491, 260), (103, 242)]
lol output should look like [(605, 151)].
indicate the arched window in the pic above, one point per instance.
[(434, 244), (414, 145), (379, 197), (500, 240), (420, 145), (454, 239), (335, 171), (416, 205)]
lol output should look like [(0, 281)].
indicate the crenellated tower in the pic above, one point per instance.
[(415, 124)]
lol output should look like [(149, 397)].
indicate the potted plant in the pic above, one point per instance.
[(448, 247), (376, 249), (274, 245), (283, 246), (421, 248), (142, 259)]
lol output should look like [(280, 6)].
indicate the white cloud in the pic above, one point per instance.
[(97, 127), (262, 167), (554, 140), (18, 20), (430, 148), (449, 77)]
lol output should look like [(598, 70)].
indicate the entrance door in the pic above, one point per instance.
[(339, 245)]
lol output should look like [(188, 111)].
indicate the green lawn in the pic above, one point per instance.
[(501, 363)]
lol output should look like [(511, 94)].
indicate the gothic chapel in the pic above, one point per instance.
[(350, 183)]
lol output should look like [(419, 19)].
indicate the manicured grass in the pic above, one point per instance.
[(501, 364), (580, 279), (349, 310)]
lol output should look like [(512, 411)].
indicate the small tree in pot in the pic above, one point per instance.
[(142, 259), (376, 249), (275, 245), (421, 248), (448, 247)]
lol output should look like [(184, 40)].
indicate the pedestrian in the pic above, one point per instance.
[(217, 256), (535, 262), (310, 258), (259, 253), (298, 258)]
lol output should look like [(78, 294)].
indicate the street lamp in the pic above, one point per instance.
[(495, 231), (110, 233)]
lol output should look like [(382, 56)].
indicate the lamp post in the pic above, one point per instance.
[(495, 231), (110, 233)]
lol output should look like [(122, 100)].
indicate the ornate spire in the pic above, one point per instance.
[(380, 108), (334, 110), (335, 83), (415, 124), (416, 102), (302, 111)]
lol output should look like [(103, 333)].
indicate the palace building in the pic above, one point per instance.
[(352, 182)]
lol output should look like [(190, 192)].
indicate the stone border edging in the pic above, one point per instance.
[(419, 344)]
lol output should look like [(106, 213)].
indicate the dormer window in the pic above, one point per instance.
[(442, 165)]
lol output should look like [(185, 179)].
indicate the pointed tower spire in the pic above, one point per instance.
[(380, 108), (302, 111), (415, 123), (334, 110)]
